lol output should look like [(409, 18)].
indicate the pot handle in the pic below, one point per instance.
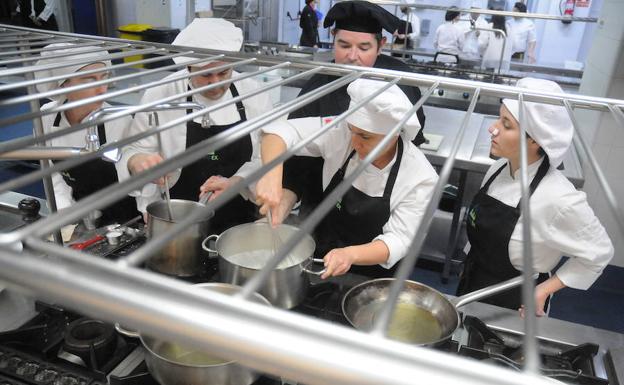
[(314, 260), (128, 333), (489, 291), (205, 243)]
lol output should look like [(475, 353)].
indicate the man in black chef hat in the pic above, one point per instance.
[(357, 41)]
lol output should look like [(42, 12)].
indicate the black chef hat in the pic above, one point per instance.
[(361, 16)]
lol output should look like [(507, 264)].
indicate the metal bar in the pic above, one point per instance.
[(531, 362), (455, 227), (242, 129), (504, 35), (113, 193), (580, 141), (484, 11), (254, 335), (68, 63), (11, 86), (407, 263), (29, 178), (45, 49), (58, 40), (41, 153), (54, 56), (24, 38)]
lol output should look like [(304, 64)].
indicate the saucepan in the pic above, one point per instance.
[(173, 364), (245, 249), (422, 315)]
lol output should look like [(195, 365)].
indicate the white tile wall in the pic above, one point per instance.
[(604, 77)]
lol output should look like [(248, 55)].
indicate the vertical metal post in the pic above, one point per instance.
[(528, 288), (64, 16), (44, 163), (190, 11)]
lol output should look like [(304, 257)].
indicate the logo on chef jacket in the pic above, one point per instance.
[(327, 119), (67, 176), (472, 216), (212, 156), (339, 204)]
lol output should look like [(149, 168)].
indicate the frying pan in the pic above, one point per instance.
[(423, 315)]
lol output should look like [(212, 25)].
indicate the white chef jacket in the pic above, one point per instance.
[(412, 190), (523, 33), (491, 45), (415, 22), (115, 130), (174, 139), (48, 11), (470, 46), (562, 223), (449, 39)]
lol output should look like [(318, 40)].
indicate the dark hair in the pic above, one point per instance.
[(378, 36), (308, 2), (405, 9), (451, 13), (498, 22), (540, 150), (520, 6)]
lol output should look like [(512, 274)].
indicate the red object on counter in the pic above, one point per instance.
[(87, 243)]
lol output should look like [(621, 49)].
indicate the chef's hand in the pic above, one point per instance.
[(338, 262), (141, 162), (217, 184), (269, 194), (542, 292)]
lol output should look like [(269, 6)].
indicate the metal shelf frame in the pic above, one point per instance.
[(271, 340)]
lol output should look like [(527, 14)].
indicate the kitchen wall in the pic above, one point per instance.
[(604, 77)]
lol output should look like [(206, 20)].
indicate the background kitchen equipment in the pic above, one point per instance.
[(245, 249)]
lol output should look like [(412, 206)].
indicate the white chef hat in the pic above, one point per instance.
[(209, 33), (549, 125), (77, 53), (382, 113)]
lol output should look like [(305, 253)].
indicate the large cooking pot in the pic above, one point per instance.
[(245, 249), (173, 364), (183, 255), (422, 315)]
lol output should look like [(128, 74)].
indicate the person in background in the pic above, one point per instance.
[(524, 38), (78, 182), (448, 38), (358, 41), (470, 46), (491, 45), (371, 227), (220, 169), (409, 29), (38, 13), (562, 223), (308, 22)]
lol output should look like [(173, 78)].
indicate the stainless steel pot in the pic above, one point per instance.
[(244, 249), (422, 316), (172, 364), (182, 256)]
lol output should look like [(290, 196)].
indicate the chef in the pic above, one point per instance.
[(491, 44), (220, 169), (358, 41), (373, 224), (524, 38), (470, 46), (562, 223), (308, 22), (449, 38), (87, 178), (409, 28)]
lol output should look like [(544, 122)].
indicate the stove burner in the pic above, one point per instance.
[(91, 340)]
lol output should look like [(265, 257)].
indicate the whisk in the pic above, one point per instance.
[(277, 242)]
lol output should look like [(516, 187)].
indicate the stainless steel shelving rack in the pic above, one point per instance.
[(271, 340)]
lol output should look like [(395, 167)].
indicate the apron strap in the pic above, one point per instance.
[(239, 105), (394, 171), (487, 184), (541, 172), (100, 128)]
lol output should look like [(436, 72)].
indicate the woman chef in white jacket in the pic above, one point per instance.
[(217, 170), (87, 178), (373, 224), (562, 223)]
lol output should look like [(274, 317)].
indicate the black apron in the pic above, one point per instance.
[(94, 175), (489, 226), (225, 162), (357, 218)]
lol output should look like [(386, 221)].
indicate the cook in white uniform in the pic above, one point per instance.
[(218, 170), (87, 178), (409, 29), (470, 46), (448, 38), (374, 223), (491, 44), (562, 223), (524, 37)]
